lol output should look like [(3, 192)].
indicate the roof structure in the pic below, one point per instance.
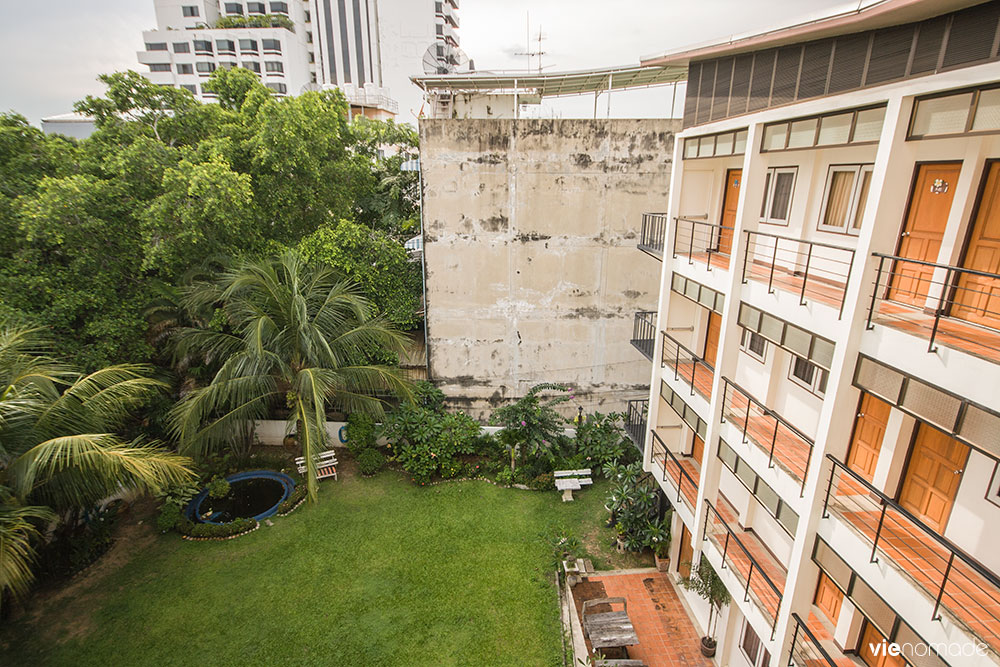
[(555, 84)]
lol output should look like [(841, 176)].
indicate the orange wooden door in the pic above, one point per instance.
[(686, 554), (828, 598), (730, 201), (698, 449), (873, 649), (930, 204), (712, 337), (933, 474), (869, 429), (977, 298)]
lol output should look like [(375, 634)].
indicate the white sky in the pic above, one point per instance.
[(54, 49)]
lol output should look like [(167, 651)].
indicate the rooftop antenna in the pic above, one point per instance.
[(527, 49)]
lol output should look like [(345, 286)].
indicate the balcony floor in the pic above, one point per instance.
[(671, 472), (790, 452), (713, 260), (702, 376), (822, 290), (823, 636), (954, 333)]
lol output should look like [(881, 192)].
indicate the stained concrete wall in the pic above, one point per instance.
[(533, 275)]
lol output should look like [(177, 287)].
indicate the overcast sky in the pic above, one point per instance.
[(55, 49)]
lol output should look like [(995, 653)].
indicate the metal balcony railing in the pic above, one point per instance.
[(653, 234), (635, 422), (758, 586), (697, 372), (644, 332), (958, 583), (813, 270), (703, 241), (960, 307), (769, 431), (806, 651), (673, 471)]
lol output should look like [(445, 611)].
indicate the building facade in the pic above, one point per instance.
[(823, 410)]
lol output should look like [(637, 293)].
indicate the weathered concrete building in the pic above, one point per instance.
[(532, 275)]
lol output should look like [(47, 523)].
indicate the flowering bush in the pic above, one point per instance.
[(531, 426)]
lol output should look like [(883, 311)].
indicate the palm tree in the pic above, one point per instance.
[(59, 449), (296, 335)]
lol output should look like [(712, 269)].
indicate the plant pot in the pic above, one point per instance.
[(662, 564), (708, 647)]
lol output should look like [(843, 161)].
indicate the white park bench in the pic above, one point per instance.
[(326, 464), (569, 481)]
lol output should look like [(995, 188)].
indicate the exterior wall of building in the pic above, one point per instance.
[(406, 31), (529, 241)]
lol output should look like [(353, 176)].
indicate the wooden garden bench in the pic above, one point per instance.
[(569, 481), (608, 629), (326, 464)]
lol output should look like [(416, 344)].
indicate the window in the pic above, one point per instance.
[(845, 198), (227, 65), (190, 88), (309, 38), (156, 46), (715, 145), (189, 10), (308, 17), (234, 8), (754, 344), (808, 375), (202, 46), (205, 68), (274, 66), (159, 67), (226, 45), (248, 45), (252, 66), (278, 88), (271, 45), (835, 129), (182, 47), (185, 68), (753, 649), (778, 186), (279, 7), (312, 57), (256, 8)]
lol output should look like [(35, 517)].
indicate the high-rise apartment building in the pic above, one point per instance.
[(824, 411), (363, 47)]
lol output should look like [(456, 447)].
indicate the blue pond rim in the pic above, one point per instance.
[(287, 483)]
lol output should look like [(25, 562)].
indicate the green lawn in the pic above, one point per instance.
[(379, 572)]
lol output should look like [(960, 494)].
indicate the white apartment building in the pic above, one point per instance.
[(309, 45), (824, 409)]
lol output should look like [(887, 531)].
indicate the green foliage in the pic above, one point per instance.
[(632, 502), (706, 584), (505, 477), (656, 535), (531, 425), (217, 530), (218, 487), (544, 482), (564, 546), (600, 440), (360, 432), (426, 395), (257, 21), (425, 441), (293, 499), (370, 461)]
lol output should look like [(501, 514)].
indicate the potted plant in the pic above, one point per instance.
[(657, 538), (707, 584)]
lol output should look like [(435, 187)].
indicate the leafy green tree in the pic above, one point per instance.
[(296, 336), (706, 584), (376, 262), (531, 425), (392, 204), (132, 97)]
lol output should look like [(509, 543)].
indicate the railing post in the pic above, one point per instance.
[(680, 472), (691, 245), (746, 257), (805, 473), (940, 310), (725, 388), (708, 248), (774, 260), (746, 591), (694, 367), (805, 276), (871, 307), (677, 223), (774, 439), (843, 297), (829, 488), (878, 533), (746, 422), (725, 547), (677, 360), (944, 582), (791, 651)]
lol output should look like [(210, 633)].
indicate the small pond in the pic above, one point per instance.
[(253, 494)]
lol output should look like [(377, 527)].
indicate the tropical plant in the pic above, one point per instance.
[(295, 335), (60, 448), (360, 432), (601, 440), (425, 440), (370, 461), (656, 535), (531, 425), (706, 584), (632, 502)]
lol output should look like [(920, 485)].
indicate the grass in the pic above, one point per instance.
[(379, 572)]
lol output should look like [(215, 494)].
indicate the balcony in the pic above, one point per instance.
[(703, 242), (812, 646), (644, 332), (682, 472), (948, 305), (654, 234), (784, 444), (635, 422), (687, 365), (957, 583), (811, 270), (760, 573)]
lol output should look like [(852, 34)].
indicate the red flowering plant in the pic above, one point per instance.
[(531, 425)]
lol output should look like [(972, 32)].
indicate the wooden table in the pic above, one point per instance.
[(608, 629)]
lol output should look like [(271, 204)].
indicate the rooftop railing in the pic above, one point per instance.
[(644, 332), (813, 270), (653, 234), (806, 651), (956, 306), (697, 372), (958, 583), (769, 431), (674, 472), (635, 422), (703, 241)]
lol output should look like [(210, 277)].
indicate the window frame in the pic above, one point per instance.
[(159, 67), (757, 660), (190, 11), (745, 342), (767, 209), (231, 5), (274, 49), (185, 68), (274, 67), (256, 8), (209, 68), (202, 50), (820, 376), (185, 47), (225, 46), (859, 170)]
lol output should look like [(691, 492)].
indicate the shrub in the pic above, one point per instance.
[(217, 530), (487, 444), (218, 487), (600, 440), (360, 432), (544, 482), (170, 516), (428, 396), (531, 426), (505, 477), (633, 503), (297, 494), (370, 461), (451, 469), (423, 440)]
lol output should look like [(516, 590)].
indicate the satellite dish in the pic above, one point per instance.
[(443, 58)]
